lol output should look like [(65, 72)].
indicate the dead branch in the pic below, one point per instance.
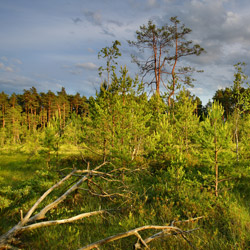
[(226, 179), (162, 234), (186, 221), (171, 230), (103, 193), (5, 239), (26, 218), (28, 221), (63, 221), (8, 238), (41, 214)]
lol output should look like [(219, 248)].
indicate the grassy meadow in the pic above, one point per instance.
[(25, 176)]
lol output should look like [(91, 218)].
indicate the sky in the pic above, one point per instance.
[(51, 44)]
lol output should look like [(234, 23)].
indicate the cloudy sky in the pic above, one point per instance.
[(51, 44)]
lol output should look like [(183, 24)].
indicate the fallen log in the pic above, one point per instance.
[(165, 230), (27, 222)]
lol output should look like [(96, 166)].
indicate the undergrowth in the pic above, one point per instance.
[(159, 197)]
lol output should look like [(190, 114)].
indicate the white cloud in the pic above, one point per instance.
[(196, 91), (15, 83), (8, 69), (4, 58), (88, 66)]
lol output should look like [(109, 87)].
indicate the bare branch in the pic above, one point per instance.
[(27, 216), (8, 237), (141, 239), (165, 233), (5, 238), (41, 214), (186, 221), (129, 233), (63, 221)]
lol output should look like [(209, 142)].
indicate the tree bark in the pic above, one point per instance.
[(173, 69)]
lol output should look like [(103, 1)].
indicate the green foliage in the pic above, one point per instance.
[(170, 162), (214, 132), (50, 140), (72, 133), (245, 138), (161, 142), (110, 54), (118, 122), (215, 144), (186, 120)]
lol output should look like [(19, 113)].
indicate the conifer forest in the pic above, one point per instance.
[(142, 164)]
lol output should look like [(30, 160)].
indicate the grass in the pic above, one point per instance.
[(24, 177), (17, 164), (17, 167)]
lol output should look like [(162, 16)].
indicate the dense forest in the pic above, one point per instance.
[(139, 159)]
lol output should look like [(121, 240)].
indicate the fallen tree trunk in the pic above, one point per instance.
[(63, 221), (25, 223), (165, 230)]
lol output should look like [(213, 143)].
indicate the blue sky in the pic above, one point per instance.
[(51, 44)]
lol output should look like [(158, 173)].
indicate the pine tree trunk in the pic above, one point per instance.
[(216, 173), (186, 136), (237, 137), (13, 129), (77, 107), (64, 115), (173, 69), (49, 111), (104, 149), (237, 145), (60, 115), (3, 121), (216, 162)]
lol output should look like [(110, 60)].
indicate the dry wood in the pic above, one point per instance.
[(164, 233), (9, 237), (63, 221), (6, 238), (133, 232), (140, 239), (26, 218), (41, 214), (188, 220)]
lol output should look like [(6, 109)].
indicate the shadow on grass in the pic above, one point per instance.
[(242, 191)]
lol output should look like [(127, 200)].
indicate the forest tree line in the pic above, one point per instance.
[(31, 110), (122, 111)]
